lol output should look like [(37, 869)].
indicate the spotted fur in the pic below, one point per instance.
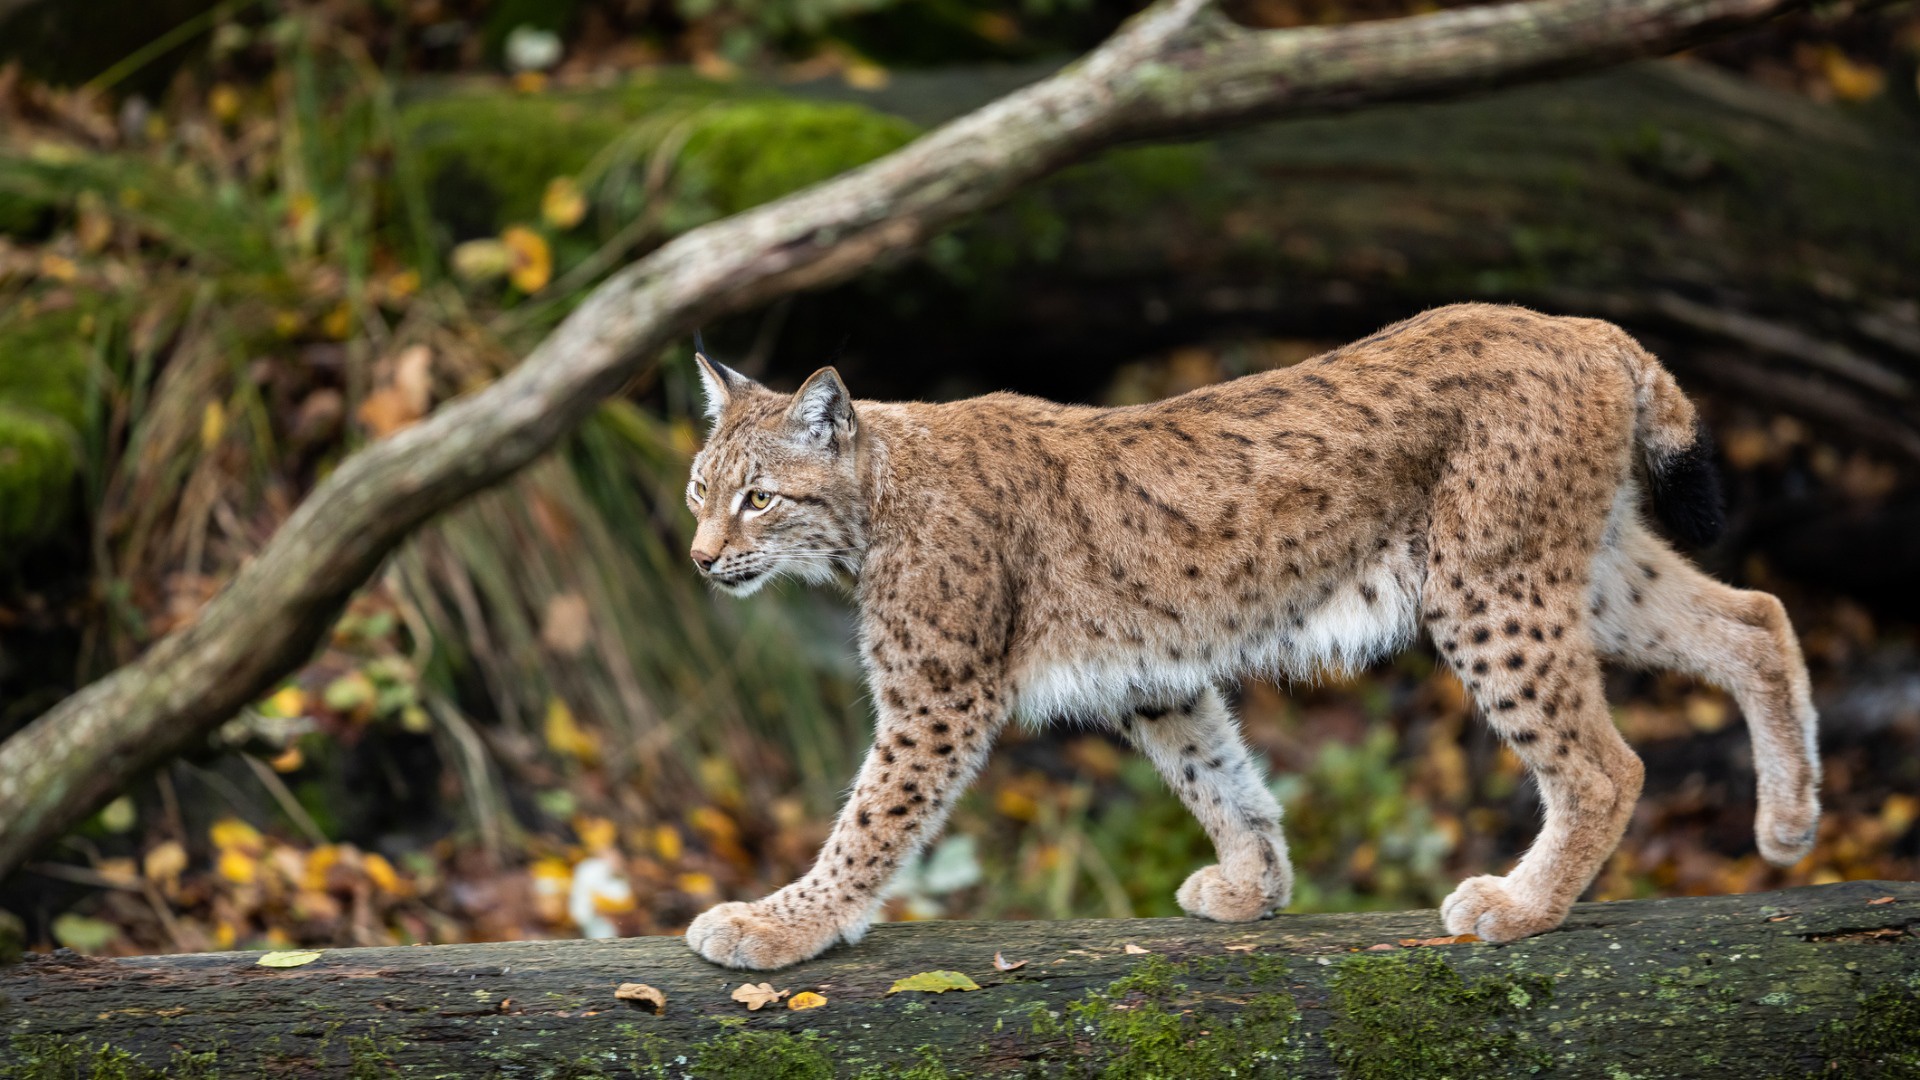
[(1473, 472)]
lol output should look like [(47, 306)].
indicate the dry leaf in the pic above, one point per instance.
[(753, 996), (288, 959), (1005, 964), (646, 997), (805, 1000), (1385, 947), (567, 626), (1881, 900), (934, 982), (1135, 950), (1241, 948)]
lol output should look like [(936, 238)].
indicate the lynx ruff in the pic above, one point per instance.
[(1475, 472)]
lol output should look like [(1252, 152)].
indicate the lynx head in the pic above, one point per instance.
[(775, 490)]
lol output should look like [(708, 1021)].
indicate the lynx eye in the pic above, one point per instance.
[(700, 490), (759, 500)]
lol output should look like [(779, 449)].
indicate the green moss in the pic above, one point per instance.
[(754, 152), (1411, 1016), (370, 1057), (43, 382), (57, 1057), (1882, 1039), (486, 159), (1147, 1026), (765, 1055)]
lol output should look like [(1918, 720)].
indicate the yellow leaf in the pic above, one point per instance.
[(165, 862), (646, 997), (213, 424), (1016, 804), (338, 323), (529, 82), (119, 815), (319, 865), (862, 75), (381, 873), (696, 884), (479, 261), (231, 833), (288, 959), (1707, 713), (596, 833), (667, 844), (119, 871), (94, 228), (563, 206), (934, 982), (804, 1000), (403, 284), (532, 260), (59, 267), (238, 867), (1898, 812), (1850, 79), (288, 760), (223, 101), (566, 737), (287, 702)]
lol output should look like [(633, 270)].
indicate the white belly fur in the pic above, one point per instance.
[(1342, 635)]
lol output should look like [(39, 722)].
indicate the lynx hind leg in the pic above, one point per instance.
[(1652, 608), (1518, 640), (1196, 747)]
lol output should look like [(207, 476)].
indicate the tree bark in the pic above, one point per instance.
[(1176, 70), (1810, 981)]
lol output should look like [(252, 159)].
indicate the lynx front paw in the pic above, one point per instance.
[(1487, 906), (740, 935), (1786, 836), (1211, 893)]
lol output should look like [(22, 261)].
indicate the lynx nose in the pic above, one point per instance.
[(704, 559)]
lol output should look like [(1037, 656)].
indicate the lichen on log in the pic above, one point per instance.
[(1820, 981)]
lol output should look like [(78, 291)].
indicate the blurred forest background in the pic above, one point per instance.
[(238, 240)]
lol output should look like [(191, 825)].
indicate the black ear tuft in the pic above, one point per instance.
[(721, 382), (822, 410)]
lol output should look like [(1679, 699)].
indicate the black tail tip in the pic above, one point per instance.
[(1685, 488)]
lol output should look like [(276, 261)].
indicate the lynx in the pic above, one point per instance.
[(1475, 472)]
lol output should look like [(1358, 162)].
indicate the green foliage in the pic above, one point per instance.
[(765, 1055), (1411, 1016), (1358, 795)]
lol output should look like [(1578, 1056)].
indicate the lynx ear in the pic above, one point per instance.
[(822, 409), (721, 382)]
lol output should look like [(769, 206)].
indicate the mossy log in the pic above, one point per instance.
[(1821, 981)]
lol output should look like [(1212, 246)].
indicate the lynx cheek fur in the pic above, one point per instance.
[(1475, 472)]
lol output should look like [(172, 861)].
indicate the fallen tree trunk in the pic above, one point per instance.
[(1796, 983), (1176, 70)]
